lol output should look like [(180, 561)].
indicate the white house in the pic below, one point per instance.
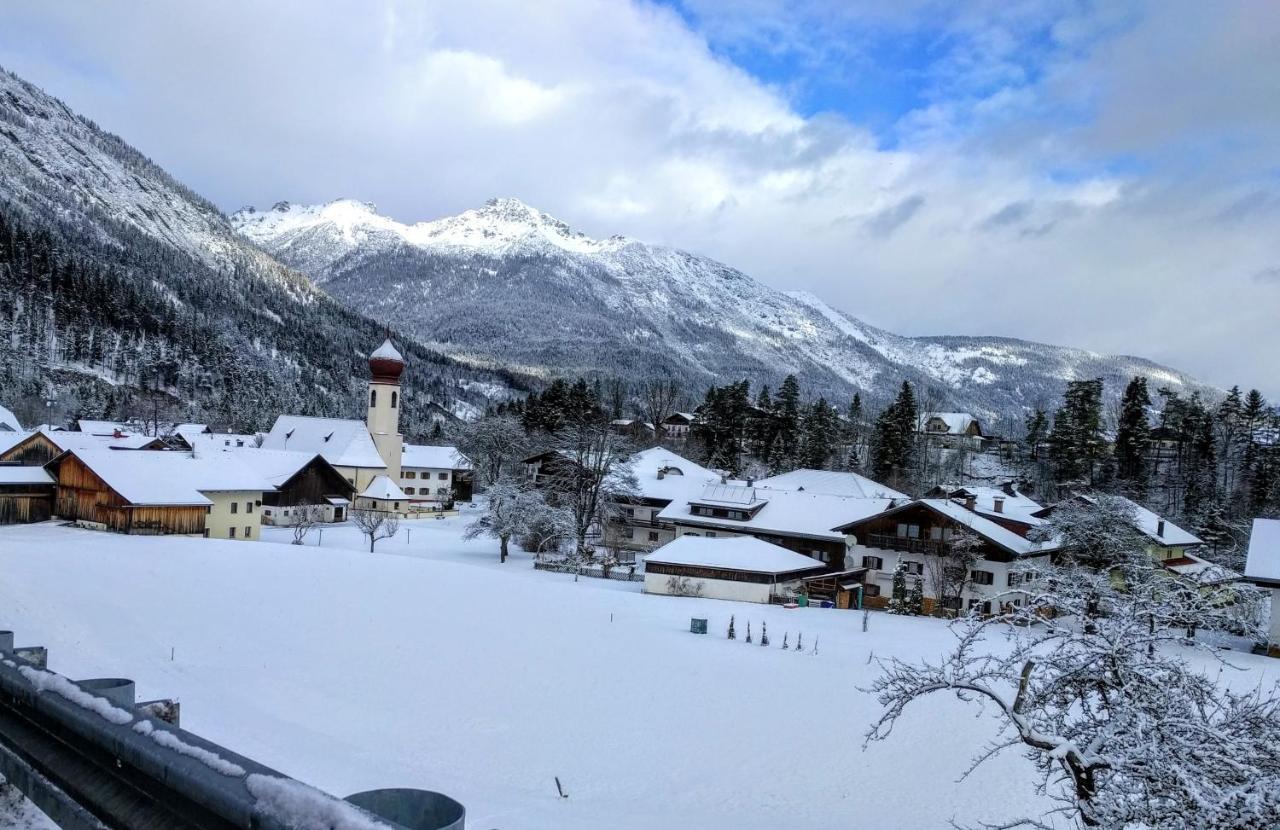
[(1263, 568), (740, 568), (799, 521), (383, 495), (360, 451), (952, 429), (430, 474), (921, 533), (661, 478)]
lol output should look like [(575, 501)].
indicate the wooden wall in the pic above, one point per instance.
[(311, 485), (19, 508), (33, 451), (82, 496)]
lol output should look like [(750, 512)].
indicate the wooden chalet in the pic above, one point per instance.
[(83, 496), (301, 479), (26, 494)]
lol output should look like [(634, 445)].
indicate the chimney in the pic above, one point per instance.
[(999, 502), (751, 481), (116, 433), (662, 473), (1160, 528), (970, 501), (1007, 487)]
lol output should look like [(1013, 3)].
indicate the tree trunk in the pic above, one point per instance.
[(371, 541), (502, 550)]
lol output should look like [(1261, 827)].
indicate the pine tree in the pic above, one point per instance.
[(784, 641), (748, 631), (732, 634), (898, 602), (893, 451), (764, 634), (1076, 443), (915, 599), (800, 641), (1132, 439), (787, 414)]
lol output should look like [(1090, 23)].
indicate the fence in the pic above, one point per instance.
[(622, 573)]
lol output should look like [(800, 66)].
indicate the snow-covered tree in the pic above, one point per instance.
[(495, 445), (898, 601), (375, 524), (950, 571), (592, 477), (915, 597), (512, 510), (1126, 732)]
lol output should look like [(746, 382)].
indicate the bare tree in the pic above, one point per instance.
[(514, 510), (950, 572), (375, 524), (302, 518), (657, 402), (591, 475), (494, 444), (1125, 732)]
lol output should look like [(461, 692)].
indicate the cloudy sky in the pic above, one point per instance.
[(1104, 175)]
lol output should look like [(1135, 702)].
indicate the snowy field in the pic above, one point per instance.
[(428, 664)]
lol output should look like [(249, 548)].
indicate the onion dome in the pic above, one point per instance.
[(386, 363)]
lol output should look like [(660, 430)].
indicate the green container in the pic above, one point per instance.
[(698, 626), (802, 601)]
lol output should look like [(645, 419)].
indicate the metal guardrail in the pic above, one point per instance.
[(92, 759)]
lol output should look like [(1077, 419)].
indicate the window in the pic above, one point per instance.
[(982, 577), (1014, 578), (231, 533), (409, 491), (248, 532), (235, 506), (821, 555), (711, 534), (914, 568), (906, 531), (396, 505), (983, 607), (875, 563), (410, 474), (653, 536), (628, 533), (373, 397), (630, 512), (394, 397), (442, 476), (248, 507), (871, 589)]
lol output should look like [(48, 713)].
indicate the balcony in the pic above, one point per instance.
[(887, 541)]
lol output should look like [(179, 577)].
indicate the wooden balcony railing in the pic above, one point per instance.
[(887, 541)]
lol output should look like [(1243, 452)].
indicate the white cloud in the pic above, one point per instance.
[(1002, 209)]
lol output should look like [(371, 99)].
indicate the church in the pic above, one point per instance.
[(369, 453)]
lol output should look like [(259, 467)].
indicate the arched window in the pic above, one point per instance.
[(373, 397), (394, 395)]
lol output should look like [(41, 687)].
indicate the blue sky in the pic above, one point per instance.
[(1094, 174)]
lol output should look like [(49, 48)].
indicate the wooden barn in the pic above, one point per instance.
[(41, 447), (26, 494), (153, 493)]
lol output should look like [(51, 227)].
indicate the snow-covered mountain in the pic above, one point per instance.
[(508, 284), (113, 272)]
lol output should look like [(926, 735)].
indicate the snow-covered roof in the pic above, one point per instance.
[(222, 440), (787, 513), (170, 478), (980, 525), (418, 457), (1263, 562), (1016, 506), (103, 427), (9, 421), (1149, 524), (275, 466), (1201, 570), (342, 442), (957, 423), (681, 478), (384, 489), (740, 553), (731, 494), (684, 416), (9, 440), (387, 351), (830, 483), (66, 440), (17, 474)]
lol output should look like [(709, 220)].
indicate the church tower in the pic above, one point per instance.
[(383, 420)]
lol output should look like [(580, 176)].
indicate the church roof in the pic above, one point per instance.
[(387, 351), (342, 442)]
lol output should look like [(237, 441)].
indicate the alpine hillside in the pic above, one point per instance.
[(115, 278), (506, 284)]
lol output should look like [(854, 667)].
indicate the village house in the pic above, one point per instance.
[(678, 425), (361, 451), (1003, 505), (431, 475), (661, 478), (921, 534), (829, 483), (740, 568), (1262, 567), (200, 436), (953, 430), (802, 522), (302, 481), (632, 427), (38, 448), (9, 421), (158, 492), (384, 496)]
